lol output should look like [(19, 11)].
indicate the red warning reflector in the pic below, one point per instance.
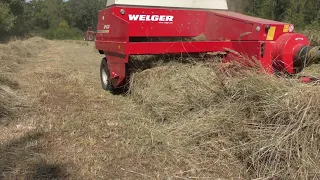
[(305, 80), (291, 28)]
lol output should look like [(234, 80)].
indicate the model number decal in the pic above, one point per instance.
[(154, 18)]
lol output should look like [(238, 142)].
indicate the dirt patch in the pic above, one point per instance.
[(9, 81)]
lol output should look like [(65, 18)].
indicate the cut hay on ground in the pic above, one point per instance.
[(181, 121), (268, 125), (19, 149), (11, 55)]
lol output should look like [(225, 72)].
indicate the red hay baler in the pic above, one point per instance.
[(142, 27), (89, 35)]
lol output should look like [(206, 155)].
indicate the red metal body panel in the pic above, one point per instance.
[(225, 25), (285, 49), (111, 28), (242, 17), (127, 30), (176, 47), (185, 23)]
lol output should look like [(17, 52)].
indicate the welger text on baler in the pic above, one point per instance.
[(161, 18)]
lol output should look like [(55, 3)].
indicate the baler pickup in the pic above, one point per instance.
[(148, 27)]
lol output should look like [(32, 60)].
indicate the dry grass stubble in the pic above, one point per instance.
[(20, 140), (180, 121)]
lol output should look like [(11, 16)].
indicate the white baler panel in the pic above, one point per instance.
[(196, 4)]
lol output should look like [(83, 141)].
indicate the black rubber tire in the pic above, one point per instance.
[(105, 76)]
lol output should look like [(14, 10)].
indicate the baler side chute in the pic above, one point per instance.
[(129, 29)]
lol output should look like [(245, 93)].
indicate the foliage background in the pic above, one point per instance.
[(53, 19), (59, 19)]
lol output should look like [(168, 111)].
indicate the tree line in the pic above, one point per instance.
[(59, 19), (55, 19), (302, 13)]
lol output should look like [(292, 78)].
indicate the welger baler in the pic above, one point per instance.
[(145, 27)]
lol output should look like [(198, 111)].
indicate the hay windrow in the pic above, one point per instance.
[(11, 55), (171, 91), (270, 125), (16, 52)]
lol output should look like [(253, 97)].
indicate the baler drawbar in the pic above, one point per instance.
[(140, 27)]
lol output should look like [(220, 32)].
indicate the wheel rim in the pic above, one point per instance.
[(104, 77)]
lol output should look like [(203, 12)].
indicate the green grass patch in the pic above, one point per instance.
[(61, 34)]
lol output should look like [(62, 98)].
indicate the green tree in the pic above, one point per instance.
[(6, 18), (85, 12), (300, 12), (64, 25)]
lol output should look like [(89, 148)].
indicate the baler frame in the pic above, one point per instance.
[(126, 30)]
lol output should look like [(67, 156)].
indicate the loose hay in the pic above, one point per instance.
[(270, 125), (181, 121), (11, 55)]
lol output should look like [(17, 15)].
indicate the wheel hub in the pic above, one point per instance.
[(105, 77)]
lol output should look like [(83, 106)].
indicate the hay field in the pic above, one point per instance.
[(180, 120)]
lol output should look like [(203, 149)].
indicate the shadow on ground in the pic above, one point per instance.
[(23, 159)]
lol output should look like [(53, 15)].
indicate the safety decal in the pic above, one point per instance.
[(103, 31), (165, 19), (271, 33), (286, 28)]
